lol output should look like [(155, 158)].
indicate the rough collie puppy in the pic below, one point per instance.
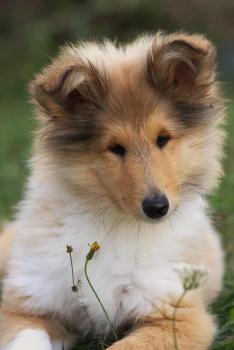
[(129, 140)]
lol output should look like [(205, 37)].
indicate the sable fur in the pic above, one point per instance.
[(89, 99)]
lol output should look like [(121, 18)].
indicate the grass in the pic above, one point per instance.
[(15, 138)]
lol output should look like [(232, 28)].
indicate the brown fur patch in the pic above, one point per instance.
[(95, 96), (182, 68), (6, 238), (12, 323), (194, 328), (79, 96)]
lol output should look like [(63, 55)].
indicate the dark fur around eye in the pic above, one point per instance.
[(118, 150), (162, 140)]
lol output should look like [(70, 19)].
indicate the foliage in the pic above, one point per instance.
[(33, 30)]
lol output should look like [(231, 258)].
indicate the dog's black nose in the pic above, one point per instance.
[(155, 206)]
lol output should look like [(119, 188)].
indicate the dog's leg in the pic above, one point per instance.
[(24, 332), (194, 327), (33, 339)]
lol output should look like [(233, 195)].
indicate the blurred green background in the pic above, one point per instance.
[(32, 31)]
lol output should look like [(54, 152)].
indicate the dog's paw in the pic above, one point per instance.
[(30, 339)]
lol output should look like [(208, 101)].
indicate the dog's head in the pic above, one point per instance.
[(137, 124)]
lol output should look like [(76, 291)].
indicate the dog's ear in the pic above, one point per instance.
[(66, 87), (177, 63)]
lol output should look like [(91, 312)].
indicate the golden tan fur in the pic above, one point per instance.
[(182, 103), (167, 87), (12, 323), (194, 328), (6, 237)]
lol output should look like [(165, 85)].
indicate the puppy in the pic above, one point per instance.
[(129, 141)]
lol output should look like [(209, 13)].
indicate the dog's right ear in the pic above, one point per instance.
[(178, 64), (65, 87)]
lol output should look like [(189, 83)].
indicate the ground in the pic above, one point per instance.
[(15, 139)]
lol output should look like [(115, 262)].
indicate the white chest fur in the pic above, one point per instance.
[(132, 272)]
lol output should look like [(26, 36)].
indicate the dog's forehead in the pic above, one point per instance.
[(130, 100), (128, 114), (128, 92), (130, 105)]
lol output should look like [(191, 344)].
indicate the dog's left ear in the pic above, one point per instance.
[(179, 62), (68, 87)]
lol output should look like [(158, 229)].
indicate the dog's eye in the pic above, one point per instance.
[(118, 150), (162, 140)]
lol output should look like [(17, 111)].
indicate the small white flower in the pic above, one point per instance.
[(191, 276)]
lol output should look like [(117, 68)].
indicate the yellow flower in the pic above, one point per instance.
[(95, 247)]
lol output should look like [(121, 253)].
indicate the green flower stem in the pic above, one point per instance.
[(91, 286), (72, 270), (174, 319), (101, 343)]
